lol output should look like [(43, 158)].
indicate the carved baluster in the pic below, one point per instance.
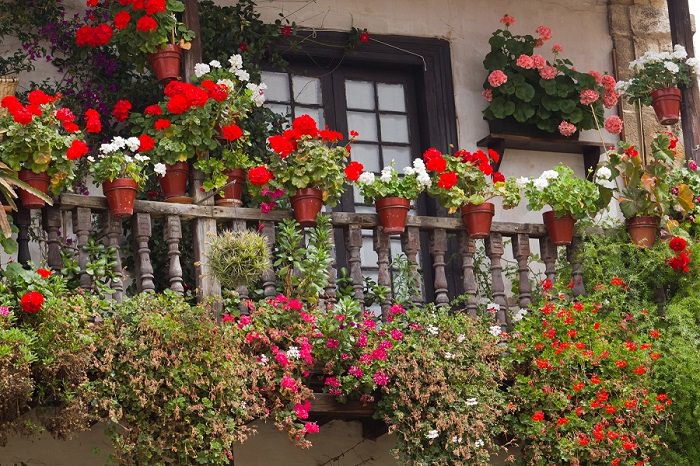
[(240, 225), (113, 231), (494, 249), (268, 232), (521, 252), (467, 247), (23, 220), (329, 294), (410, 245), (382, 248), (354, 244), (173, 235), (52, 225), (549, 256), (82, 223), (576, 268), (438, 248), (141, 227)]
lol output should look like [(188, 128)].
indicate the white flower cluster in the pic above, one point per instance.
[(667, 58), (471, 401), (433, 330), (159, 169), (432, 434), (603, 174), (293, 352), (495, 330), (236, 62), (258, 93), (387, 173), (519, 314), (543, 181), (118, 144)]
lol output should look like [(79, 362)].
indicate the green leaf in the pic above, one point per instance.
[(525, 92), (523, 112)]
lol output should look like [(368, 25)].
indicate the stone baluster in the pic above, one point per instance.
[(173, 235), (141, 227), (51, 219), (549, 257), (572, 252), (467, 247), (410, 245), (240, 225), (438, 249), (112, 236), (382, 248), (521, 252), (494, 250), (269, 289), (353, 245), (82, 224), (23, 221)]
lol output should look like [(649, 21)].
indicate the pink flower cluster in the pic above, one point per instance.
[(544, 32), (525, 61), (613, 124), (548, 72), (566, 128), (588, 96), (497, 78)]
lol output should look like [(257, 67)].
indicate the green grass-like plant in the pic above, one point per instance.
[(238, 258)]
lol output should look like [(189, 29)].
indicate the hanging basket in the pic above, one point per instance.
[(307, 203), (477, 219), (166, 62), (38, 181), (559, 229), (667, 105), (121, 195), (643, 230), (393, 212)]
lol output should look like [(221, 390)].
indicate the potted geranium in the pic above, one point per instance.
[(527, 93), (119, 168), (150, 31), (40, 141), (183, 128), (391, 192), (234, 98), (656, 81), (644, 193), (466, 181), (571, 198), (309, 164)]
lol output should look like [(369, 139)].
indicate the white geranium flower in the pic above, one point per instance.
[(679, 52), (293, 352), (118, 143), (432, 434), (226, 82), (262, 360), (128, 158), (449, 355), (522, 181), (236, 62), (243, 75), (418, 164), (433, 330), (471, 401), (90, 158), (672, 67), (106, 148), (159, 168), (479, 443), (141, 158), (493, 307), (366, 178), (258, 91), (495, 330), (215, 64), (622, 86), (200, 69), (519, 314), (133, 144), (603, 173), (461, 337), (424, 179), (549, 174), (541, 183), (409, 171), (386, 175)]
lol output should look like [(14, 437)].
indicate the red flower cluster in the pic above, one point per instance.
[(121, 110), (259, 176), (93, 36), (681, 260), (354, 170), (218, 92), (302, 126), (146, 24), (147, 143), (44, 273), (153, 110), (121, 20), (93, 124), (231, 132), (77, 150), (25, 114), (31, 302), (184, 96)]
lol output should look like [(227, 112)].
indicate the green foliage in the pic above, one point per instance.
[(391, 184), (238, 258), (564, 192), (99, 267), (302, 272), (406, 285)]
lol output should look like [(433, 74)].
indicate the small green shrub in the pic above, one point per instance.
[(238, 258)]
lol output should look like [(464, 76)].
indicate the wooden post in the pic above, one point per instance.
[(682, 34), (207, 285)]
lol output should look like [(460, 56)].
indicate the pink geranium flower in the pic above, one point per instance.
[(497, 78)]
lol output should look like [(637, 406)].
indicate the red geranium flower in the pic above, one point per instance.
[(91, 3), (436, 164), (146, 24), (304, 125), (231, 132), (538, 416), (677, 244), (281, 145), (77, 150), (39, 97), (259, 176), (354, 170), (32, 301), (447, 180), (93, 124), (498, 177), (22, 116), (146, 143), (331, 135), (161, 124), (70, 127), (64, 114), (154, 6), (178, 104), (121, 109), (10, 102), (153, 110), (44, 273), (616, 281)]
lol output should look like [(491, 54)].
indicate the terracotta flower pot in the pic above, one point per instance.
[(643, 230), (174, 183), (477, 219), (667, 105), (120, 194), (307, 203), (392, 213), (38, 181), (166, 63), (233, 193), (559, 229)]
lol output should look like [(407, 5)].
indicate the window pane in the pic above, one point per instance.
[(306, 90), (367, 254), (400, 155), (363, 123), (315, 113), (367, 155), (359, 94), (277, 86), (359, 199), (391, 97), (394, 128), (281, 109)]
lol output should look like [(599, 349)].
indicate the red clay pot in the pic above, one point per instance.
[(120, 194), (166, 63), (559, 229), (174, 183), (392, 213), (233, 193), (667, 105), (477, 219), (643, 230), (307, 203), (38, 181)]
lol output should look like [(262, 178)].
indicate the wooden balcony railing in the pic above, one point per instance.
[(73, 215)]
